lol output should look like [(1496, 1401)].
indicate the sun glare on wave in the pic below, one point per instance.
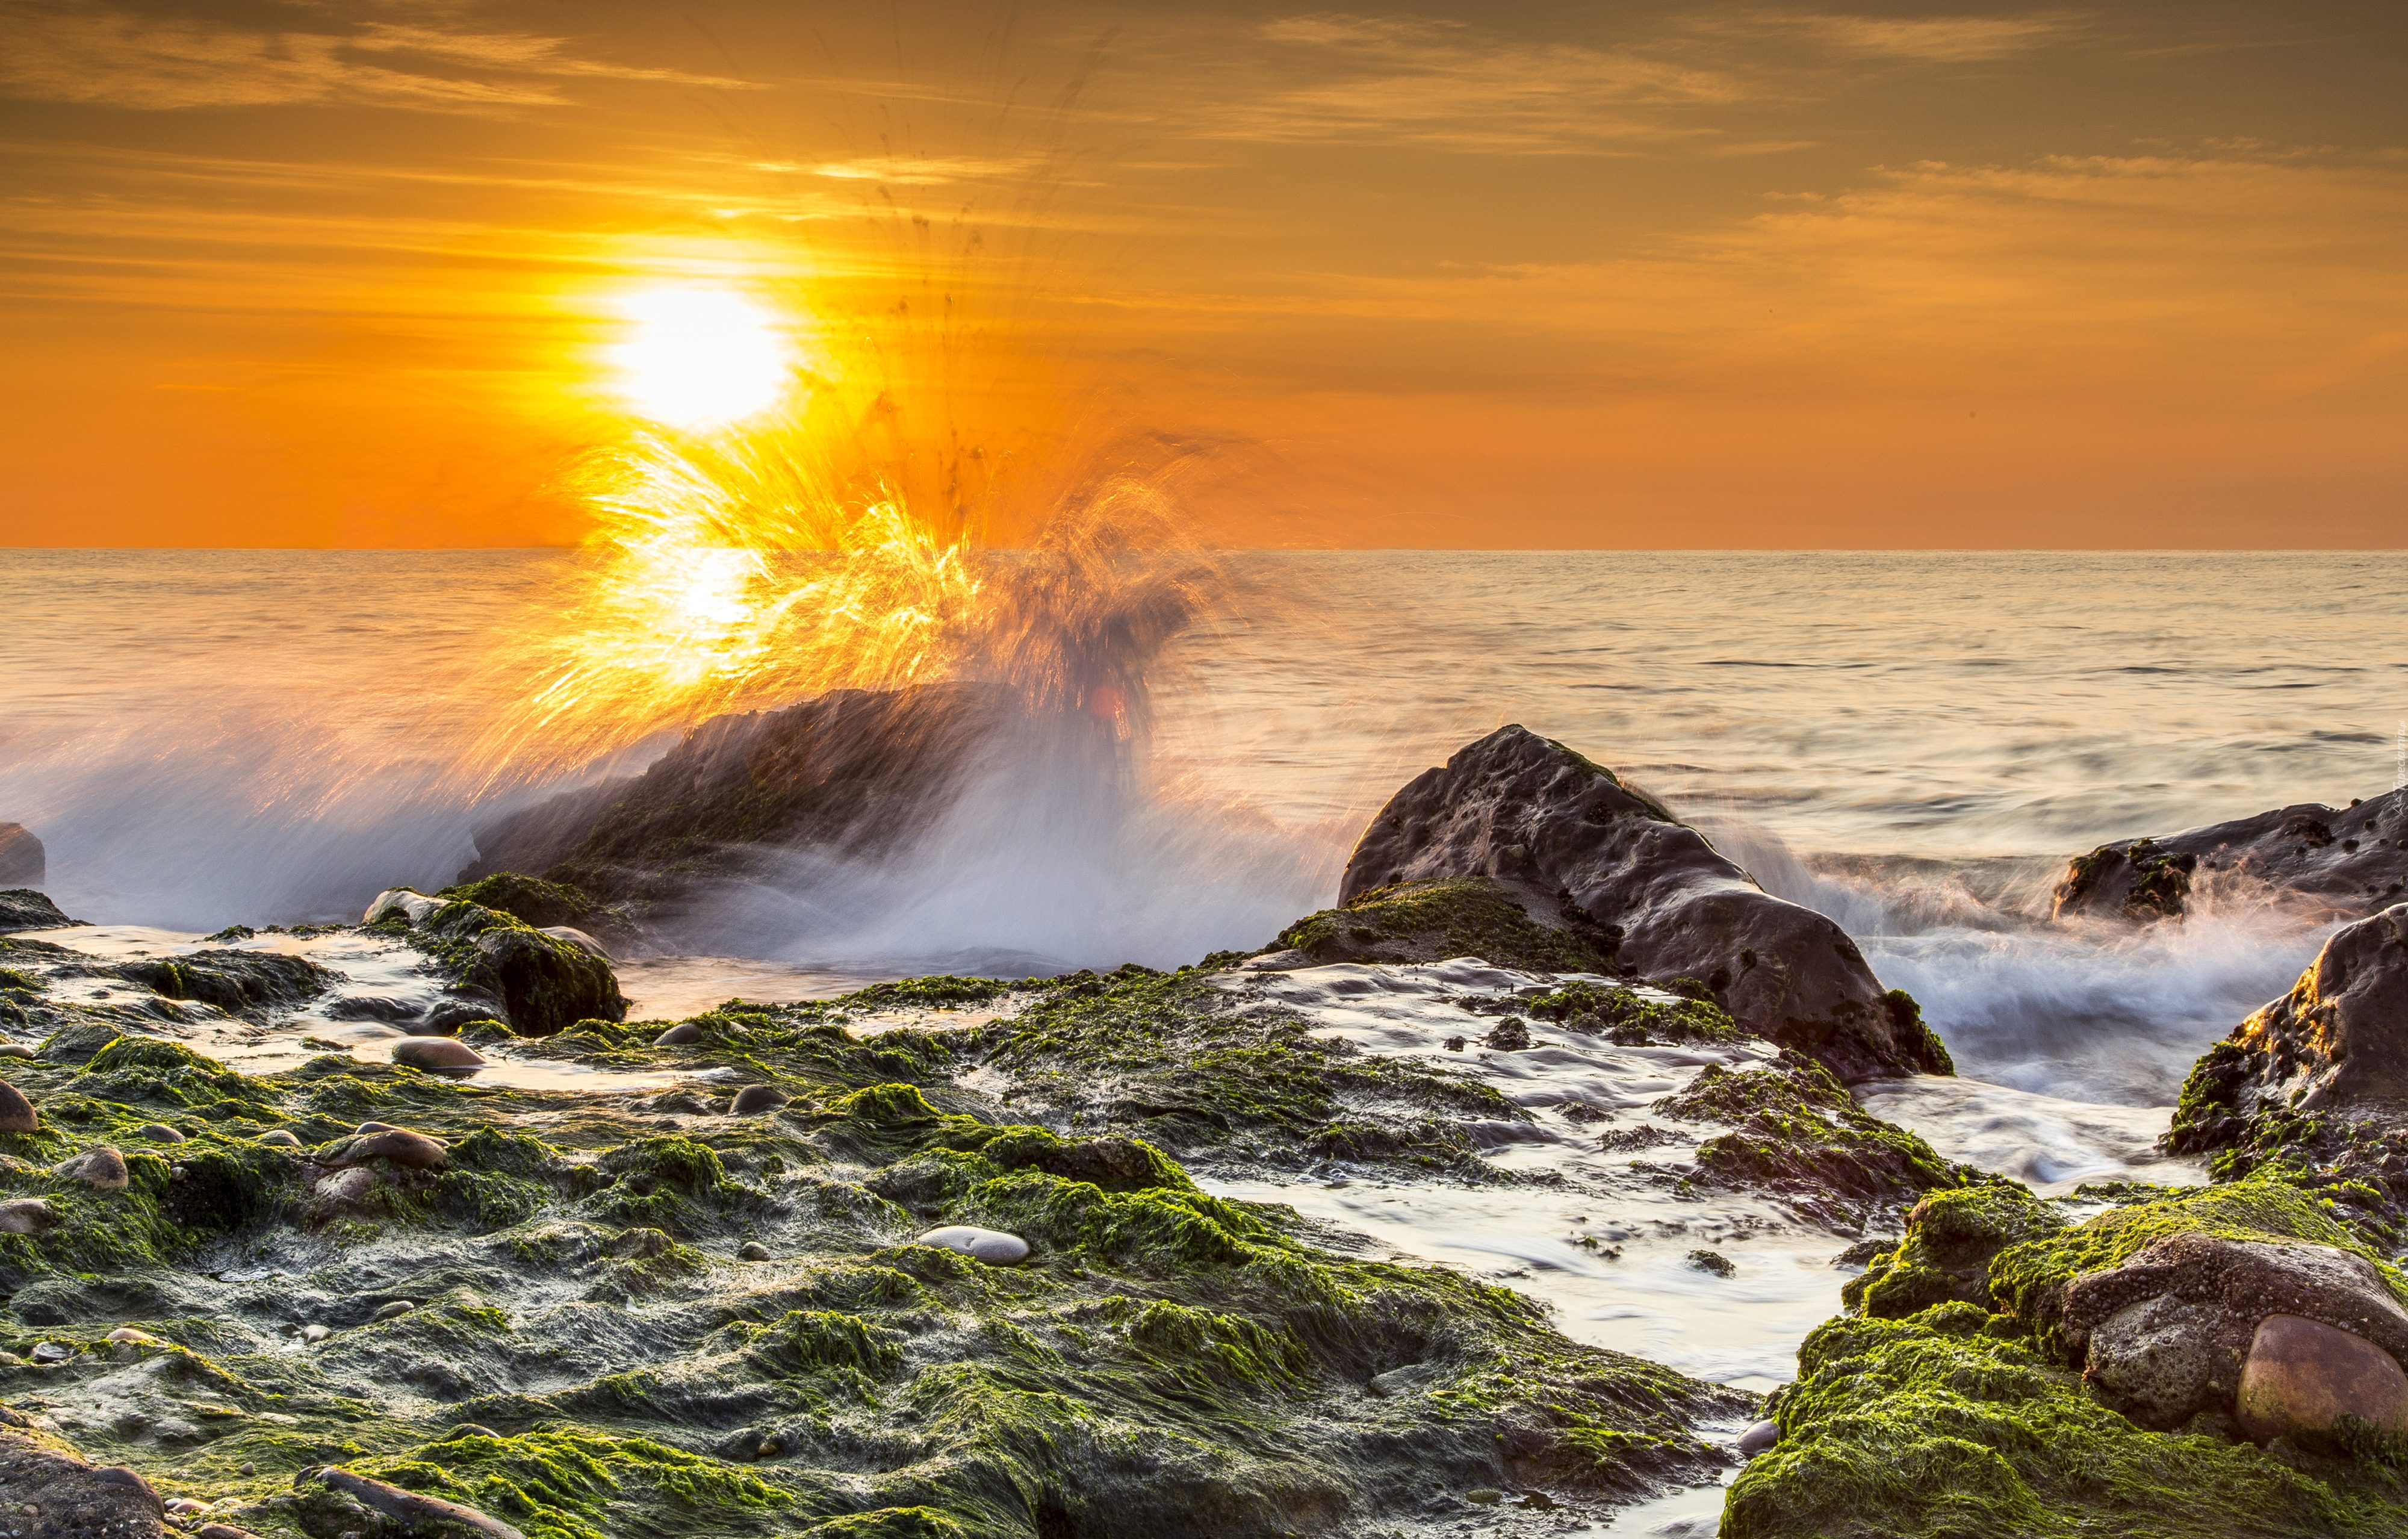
[(701, 357)]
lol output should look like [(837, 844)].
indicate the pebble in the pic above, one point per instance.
[(139, 1338), (159, 1132), (346, 1186), (25, 1215), (281, 1138), (247, 1469), (224, 1531), (394, 1310), (992, 1246), (315, 1333), (118, 1475), (1757, 1438), (53, 1352), (755, 1251), (2301, 1375), (754, 1098), (679, 1035), (436, 1053), (15, 1050), (470, 1428), (1485, 1495), (376, 1128), (16, 1112), (103, 1169), (184, 1506)]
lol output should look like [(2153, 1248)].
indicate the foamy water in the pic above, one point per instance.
[(204, 737)]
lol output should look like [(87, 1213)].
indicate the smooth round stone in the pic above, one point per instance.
[(53, 1352), (15, 1050), (1757, 1439), (224, 1531), (346, 1189), (118, 1475), (400, 1146), (281, 1138), (376, 1128), (184, 1506), (755, 1251), (436, 1053), (314, 1333), (139, 1338), (394, 1310), (684, 1034), (16, 1112), (2301, 1374), (159, 1132), (756, 1098), (25, 1215), (103, 1169), (992, 1246)]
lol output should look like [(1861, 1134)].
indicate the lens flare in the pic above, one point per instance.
[(700, 357)]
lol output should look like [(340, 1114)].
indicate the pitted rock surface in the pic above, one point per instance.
[(1572, 842), (70, 1496), (2166, 1334), (2339, 861)]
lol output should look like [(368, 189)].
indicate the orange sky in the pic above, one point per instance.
[(284, 273)]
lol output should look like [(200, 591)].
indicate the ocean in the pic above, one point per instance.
[(1911, 741)]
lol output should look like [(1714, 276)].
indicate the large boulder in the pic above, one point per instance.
[(2343, 861), (853, 773), (22, 861), (1578, 848)]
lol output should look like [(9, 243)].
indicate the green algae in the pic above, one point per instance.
[(1796, 1131), (1934, 1427), (529, 900), (1454, 916), (1952, 1236), (1630, 1020)]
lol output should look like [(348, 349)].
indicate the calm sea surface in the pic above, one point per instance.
[(202, 736)]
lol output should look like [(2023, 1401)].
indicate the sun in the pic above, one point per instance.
[(700, 357)]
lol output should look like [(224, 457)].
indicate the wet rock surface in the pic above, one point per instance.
[(501, 968), (23, 909), (2321, 1388), (1579, 850), (2343, 861), (47, 1489)]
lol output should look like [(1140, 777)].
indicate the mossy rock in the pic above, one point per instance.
[(529, 900), (1951, 1238), (1454, 916), (1797, 1131)]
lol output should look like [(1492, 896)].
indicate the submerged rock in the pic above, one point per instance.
[(1581, 851), (2338, 861), (413, 1510), (23, 909), (992, 1246), (23, 863), (241, 983)]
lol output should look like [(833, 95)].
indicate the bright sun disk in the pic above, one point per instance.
[(699, 357)]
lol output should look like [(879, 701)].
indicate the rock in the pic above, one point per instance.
[(23, 909), (1576, 847), (2301, 1376), (2334, 862), (992, 1246), (400, 903), (45, 1490), (1713, 1262), (681, 1035), (2339, 1037), (409, 1509), (579, 939), (314, 1333), (393, 1311), (756, 1098), (282, 1138), (25, 1215), (16, 1112), (436, 1053), (250, 983), (2165, 1335), (1757, 1439), (1485, 1496), (103, 1169), (1510, 1035), (852, 773), (399, 1147), (23, 863), (370, 1007), (184, 1506), (529, 900), (159, 1132), (377, 1127), (53, 1352), (138, 1337), (345, 1188), (15, 1050), (753, 1251), (224, 1531)]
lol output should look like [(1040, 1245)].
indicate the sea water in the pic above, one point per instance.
[(1913, 742)]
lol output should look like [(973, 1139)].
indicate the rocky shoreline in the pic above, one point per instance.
[(1087, 1254)]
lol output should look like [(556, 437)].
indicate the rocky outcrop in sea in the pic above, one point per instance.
[(2339, 861)]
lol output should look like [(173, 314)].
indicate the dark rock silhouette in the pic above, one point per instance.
[(1580, 849), (23, 863), (2339, 861), (22, 908)]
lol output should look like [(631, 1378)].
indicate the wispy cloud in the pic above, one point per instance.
[(1929, 39), (72, 50)]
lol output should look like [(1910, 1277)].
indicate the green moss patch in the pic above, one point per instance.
[(1430, 921)]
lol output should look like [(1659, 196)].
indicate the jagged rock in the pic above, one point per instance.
[(241, 983), (2302, 1377), (412, 1510), (992, 1246), (2166, 1334), (103, 1169), (2336, 1044), (853, 773), (2344, 861), (436, 1053), (1578, 848), (17, 1114), (46, 1489), (23, 863), (22, 908)]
